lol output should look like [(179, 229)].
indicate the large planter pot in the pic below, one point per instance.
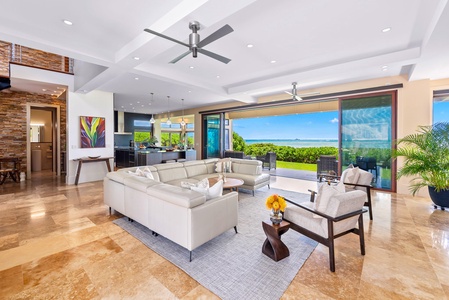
[(440, 198)]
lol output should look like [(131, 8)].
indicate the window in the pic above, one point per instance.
[(441, 106), (175, 135)]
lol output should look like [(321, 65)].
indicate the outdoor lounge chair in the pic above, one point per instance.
[(268, 160)]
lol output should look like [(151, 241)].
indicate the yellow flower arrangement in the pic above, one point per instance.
[(276, 202)]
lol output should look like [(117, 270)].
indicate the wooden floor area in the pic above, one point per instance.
[(58, 241)]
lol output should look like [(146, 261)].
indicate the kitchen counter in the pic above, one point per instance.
[(129, 157)]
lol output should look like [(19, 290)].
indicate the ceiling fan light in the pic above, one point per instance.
[(183, 123), (152, 120), (168, 122)]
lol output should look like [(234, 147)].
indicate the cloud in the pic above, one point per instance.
[(334, 120)]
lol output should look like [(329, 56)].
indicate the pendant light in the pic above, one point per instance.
[(152, 120), (183, 123), (168, 120)]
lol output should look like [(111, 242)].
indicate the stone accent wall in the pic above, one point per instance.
[(31, 57), (13, 122)]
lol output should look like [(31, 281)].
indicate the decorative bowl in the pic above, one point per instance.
[(93, 157)]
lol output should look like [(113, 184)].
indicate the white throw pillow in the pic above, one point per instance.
[(143, 173), (204, 183), (211, 192), (223, 165), (147, 173), (350, 175), (324, 195)]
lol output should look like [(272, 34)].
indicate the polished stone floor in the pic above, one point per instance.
[(59, 242)]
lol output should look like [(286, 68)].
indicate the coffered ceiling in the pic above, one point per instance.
[(315, 43)]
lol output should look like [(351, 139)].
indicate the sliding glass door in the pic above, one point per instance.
[(213, 135), (367, 136)]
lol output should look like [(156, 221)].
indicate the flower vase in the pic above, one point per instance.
[(276, 216)]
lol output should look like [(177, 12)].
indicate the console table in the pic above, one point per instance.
[(90, 160)]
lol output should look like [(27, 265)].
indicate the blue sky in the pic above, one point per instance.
[(321, 125), (441, 112)]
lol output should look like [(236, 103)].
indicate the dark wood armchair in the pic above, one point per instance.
[(326, 165), (268, 160), (343, 215)]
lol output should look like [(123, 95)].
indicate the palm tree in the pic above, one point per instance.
[(426, 155)]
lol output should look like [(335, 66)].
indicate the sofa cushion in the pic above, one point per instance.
[(176, 195), (210, 165), (118, 176), (195, 168), (139, 183), (243, 166), (251, 179), (210, 192), (169, 172)]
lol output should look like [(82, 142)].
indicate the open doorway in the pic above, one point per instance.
[(43, 139)]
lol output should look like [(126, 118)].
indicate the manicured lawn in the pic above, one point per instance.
[(295, 166)]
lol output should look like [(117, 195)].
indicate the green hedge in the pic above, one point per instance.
[(307, 155)]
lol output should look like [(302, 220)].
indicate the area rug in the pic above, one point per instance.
[(232, 265)]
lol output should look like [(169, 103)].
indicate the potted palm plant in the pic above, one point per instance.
[(426, 155)]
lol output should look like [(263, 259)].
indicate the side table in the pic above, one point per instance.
[(273, 247)]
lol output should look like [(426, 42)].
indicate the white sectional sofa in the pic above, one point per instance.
[(181, 215)]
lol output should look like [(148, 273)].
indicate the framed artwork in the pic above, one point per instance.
[(93, 132)]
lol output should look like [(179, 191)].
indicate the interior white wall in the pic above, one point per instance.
[(95, 104)]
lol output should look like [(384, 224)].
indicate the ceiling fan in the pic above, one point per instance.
[(296, 96), (195, 45)]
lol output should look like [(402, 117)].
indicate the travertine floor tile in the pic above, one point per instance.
[(59, 242)]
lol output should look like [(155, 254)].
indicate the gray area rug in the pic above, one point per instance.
[(232, 265)]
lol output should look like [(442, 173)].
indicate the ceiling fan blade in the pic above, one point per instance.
[(180, 57), (226, 29), (166, 37), (214, 55)]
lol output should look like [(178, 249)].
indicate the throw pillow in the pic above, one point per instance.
[(147, 173), (223, 166), (204, 183), (143, 173), (350, 175), (210, 192), (324, 195)]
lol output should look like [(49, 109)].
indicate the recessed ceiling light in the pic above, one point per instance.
[(386, 29), (249, 45), (44, 90), (136, 58), (130, 104), (218, 76), (136, 78), (67, 22), (273, 61), (191, 67), (122, 106), (190, 91), (138, 101)]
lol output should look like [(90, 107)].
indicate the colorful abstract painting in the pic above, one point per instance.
[(92, 132)]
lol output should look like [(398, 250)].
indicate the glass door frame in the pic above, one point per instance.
[(204, 134), (394, 110)]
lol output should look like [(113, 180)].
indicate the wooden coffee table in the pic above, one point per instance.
[(231, 183)]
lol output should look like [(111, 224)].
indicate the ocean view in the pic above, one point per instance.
[(297, 143)]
